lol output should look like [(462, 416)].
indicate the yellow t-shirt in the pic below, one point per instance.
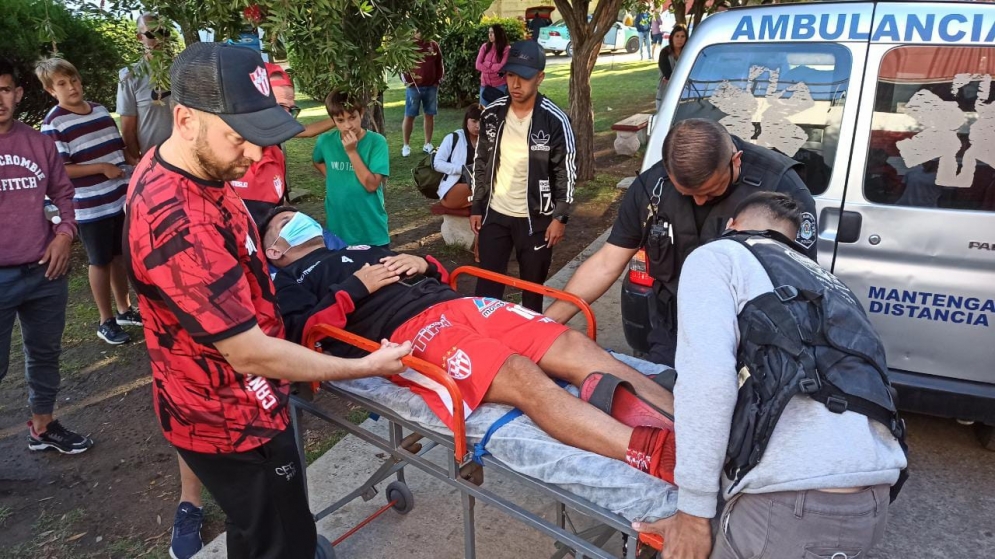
[(510, 195)]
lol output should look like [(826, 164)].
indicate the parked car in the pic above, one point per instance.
[(556, 39), (891, 108)]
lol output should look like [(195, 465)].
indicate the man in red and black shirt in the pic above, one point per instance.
[(220, 370)]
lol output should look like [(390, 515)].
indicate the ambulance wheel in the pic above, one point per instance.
[(399, 492), (632, 45), (570, 50), (986, 435)]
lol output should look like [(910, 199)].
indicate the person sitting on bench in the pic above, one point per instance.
[(496, 352)]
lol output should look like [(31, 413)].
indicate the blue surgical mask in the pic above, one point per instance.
[(300, 229)]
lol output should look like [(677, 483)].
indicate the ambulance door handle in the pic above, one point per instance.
[(849, 227)]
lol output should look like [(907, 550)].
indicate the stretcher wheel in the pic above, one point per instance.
[(398, 491)]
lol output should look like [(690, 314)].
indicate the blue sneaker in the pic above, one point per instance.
[(186, 531)]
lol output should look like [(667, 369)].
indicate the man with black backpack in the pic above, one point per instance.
[(782, 387)]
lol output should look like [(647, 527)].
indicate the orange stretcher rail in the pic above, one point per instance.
[(592, 325), (313, 337)]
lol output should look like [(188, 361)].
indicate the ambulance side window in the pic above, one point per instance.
[(932, 140), (785, 96)]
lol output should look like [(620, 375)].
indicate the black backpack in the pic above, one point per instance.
[(426, 178), (808, 336)]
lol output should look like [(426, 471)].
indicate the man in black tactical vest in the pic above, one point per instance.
[(677, 205), (782, 387)]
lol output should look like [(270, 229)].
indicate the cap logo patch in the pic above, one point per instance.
[(260, 80)]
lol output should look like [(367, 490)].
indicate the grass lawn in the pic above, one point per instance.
[(617, 92), (119, 501)]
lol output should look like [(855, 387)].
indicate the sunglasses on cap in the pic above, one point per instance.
[(157, 34), (294, 110)]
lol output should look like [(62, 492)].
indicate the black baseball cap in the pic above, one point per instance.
[(232, 82), (525, 59)]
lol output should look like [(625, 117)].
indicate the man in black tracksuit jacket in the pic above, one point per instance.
[(523, 177)]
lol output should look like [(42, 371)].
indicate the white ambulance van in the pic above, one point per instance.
[(891, 108)]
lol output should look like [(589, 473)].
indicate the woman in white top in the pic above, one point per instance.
[(454, 159)]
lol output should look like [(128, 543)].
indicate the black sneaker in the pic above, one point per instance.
[(130, 317), (111, 333), (59, 438)]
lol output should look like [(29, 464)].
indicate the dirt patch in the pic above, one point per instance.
[(118, 499)]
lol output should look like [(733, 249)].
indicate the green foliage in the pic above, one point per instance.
[(31, 28), (459, 49)]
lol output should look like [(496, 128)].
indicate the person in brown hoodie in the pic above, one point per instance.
[(422, 84)]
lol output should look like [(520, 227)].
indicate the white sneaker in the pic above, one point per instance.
[(427, 148), (405, 151)]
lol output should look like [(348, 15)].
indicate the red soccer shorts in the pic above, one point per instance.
[(471, 338)]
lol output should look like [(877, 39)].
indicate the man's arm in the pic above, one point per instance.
[(127, 108), (60, 191), (129, 134), (563, 163), (600, 271), (321, 168), (592, 279), (313, 129), (77, 170), (808, 233), (706, 390), (254, 353)]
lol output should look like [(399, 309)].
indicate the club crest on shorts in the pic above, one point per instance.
[(260, 80), (458, 365)]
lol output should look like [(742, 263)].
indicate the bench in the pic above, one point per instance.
[(631, 133), (455, 226)]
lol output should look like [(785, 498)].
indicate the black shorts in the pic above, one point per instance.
[(102, 239), (262, 494)]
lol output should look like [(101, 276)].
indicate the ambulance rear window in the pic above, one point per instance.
[(932, 140), (786, 96)]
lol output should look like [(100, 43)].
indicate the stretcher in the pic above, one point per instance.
[(614, 497)]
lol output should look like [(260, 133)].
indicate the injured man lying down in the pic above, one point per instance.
[(497, 352)]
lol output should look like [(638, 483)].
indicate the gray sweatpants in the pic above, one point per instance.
[(40, 305), (810, 524)]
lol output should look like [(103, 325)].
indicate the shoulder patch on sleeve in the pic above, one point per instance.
[(807, 231)]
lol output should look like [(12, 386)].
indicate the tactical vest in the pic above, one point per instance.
[(671, 232), (808, 336)]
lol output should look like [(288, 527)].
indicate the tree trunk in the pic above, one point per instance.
[(586, 37), (680, 13), (374, 117), (580, 111), (190, 35)]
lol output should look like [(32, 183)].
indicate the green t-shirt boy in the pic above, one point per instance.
[(355, 163)]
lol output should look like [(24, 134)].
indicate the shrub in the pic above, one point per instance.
[(97, 47), (459, 50)]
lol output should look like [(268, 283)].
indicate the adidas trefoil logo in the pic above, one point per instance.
[(539, 141)]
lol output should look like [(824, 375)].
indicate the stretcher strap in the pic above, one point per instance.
[(480, 449)]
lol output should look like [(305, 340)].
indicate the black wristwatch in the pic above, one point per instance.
[(562, 219)]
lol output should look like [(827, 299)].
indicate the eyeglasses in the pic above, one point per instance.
[(294, 110), (157, 34)]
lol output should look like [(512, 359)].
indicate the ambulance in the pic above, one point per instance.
[(890, 106)]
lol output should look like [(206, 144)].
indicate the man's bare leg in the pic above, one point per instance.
[(521, 383), (574, 356), (190, 486)]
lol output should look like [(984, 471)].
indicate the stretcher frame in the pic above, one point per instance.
[(459, 471)]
